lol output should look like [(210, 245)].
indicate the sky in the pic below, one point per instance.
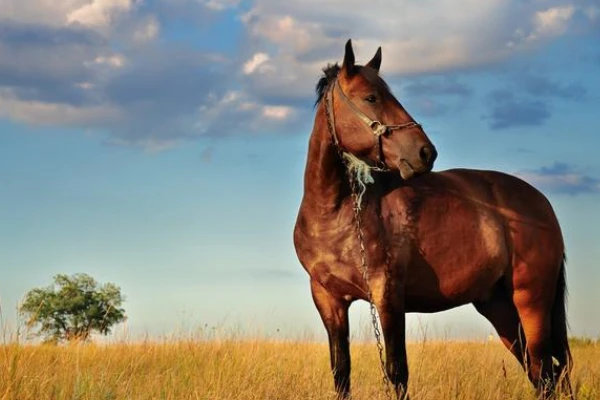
[(160, 144)]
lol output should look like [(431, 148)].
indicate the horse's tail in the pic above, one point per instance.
[(560, 343)]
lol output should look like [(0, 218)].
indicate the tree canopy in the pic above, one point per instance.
[(72, 308)]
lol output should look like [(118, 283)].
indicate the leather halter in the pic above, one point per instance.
[(377, 128)]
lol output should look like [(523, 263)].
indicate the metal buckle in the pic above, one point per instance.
[(378, 128)]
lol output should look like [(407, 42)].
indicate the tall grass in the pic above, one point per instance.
[(267, 369)]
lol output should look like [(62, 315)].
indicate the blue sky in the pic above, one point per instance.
[(160, 144)]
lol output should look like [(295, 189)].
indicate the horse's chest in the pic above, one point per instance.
[(333, 257)]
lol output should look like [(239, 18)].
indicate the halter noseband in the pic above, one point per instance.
[(377, 128)]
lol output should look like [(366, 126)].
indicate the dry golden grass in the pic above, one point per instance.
[(262, 369)]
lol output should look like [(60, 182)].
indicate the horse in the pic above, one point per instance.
[(430, 241)]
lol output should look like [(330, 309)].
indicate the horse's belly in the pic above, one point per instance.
[(420, 305), (428, 291)]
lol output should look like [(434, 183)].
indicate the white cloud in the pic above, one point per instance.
[(301, 37), (99, 13), (561, 178), (277, 112), (114, 61), (95, 14), (54, 114), (312, 29), (257, 61), (47, 12), (220, 5), (237, 111), (285, 30), (85, 85), (551, 22), (147, 30)]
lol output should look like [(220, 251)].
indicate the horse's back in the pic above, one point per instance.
[(512, 197), (527, 212), (528, 215)]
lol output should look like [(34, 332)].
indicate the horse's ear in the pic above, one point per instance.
[(375, 62), (349, 60)]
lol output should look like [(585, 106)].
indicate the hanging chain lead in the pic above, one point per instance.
[(365, 273)]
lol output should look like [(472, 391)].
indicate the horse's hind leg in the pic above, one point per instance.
[(535, 316), (503, 315), (334, 313)]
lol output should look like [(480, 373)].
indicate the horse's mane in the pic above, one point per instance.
[(330, 72)]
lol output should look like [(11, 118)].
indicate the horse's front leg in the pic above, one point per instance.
[(334, 313), (390, 306)]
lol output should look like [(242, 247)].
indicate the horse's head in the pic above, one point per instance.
[(369, 122)]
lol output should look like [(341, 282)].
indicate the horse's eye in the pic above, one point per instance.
[(371, 98)]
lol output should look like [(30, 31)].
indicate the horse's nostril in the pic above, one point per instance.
[(428, 154), (434, 155)]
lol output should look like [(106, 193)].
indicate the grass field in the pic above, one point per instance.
[(263, 369)]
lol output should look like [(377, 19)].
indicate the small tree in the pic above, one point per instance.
[(72, 308)]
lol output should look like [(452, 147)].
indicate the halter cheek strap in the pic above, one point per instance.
[(331, 116)]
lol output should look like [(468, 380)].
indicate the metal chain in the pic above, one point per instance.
[(365, 273), (359, 231)]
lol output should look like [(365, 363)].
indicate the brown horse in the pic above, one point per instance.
[(432, 240)]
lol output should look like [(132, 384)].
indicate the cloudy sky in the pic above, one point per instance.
[(160, 144)]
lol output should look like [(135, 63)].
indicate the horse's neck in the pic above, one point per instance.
[(325, 184), (327, 206)]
